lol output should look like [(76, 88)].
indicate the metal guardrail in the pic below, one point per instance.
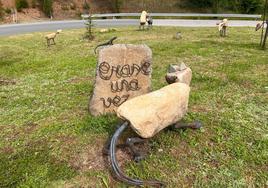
[(114, 15)]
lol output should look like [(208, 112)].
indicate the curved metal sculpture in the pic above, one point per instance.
[(119, 174)]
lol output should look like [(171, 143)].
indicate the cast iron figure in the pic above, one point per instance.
[(110, 42)]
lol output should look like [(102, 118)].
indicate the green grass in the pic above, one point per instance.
[(48, 138)]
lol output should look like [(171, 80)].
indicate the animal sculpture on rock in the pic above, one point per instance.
[(150, 113)]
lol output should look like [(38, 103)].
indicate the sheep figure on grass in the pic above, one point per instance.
[(51, 37), (222, 26)]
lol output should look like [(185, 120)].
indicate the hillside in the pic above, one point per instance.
[(69, 9)]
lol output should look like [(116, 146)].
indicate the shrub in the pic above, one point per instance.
[(8, 11), (64, 7), (20, 4), (89, 34), (200, 3), (250, 6), (47, 7), (86, 6), (73, 6), (117, 5), (1, 10), (34, 3)]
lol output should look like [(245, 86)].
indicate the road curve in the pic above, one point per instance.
[(14, 29)]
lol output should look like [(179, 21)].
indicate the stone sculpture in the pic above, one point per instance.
[(51, 37), (222, 26), (123, 72), (143, 19), (150, 113)]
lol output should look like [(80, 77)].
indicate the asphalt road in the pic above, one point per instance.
[(14, 29)]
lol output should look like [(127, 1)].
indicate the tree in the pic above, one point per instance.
[(117, 5), (89, 34), (1, 10), (47, 7), (20, 4), (200, 3), (250, 6), (86, 7)]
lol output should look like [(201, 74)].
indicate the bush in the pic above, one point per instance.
[(47, 7), (200, 3), (64, 7), (20, 4), (73, 6), (117, 5), (1, 10), (8, 11), (250, 6), (238, 6), (86, 6), (34, 3)]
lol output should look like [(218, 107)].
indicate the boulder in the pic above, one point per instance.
[(123, 72), (150, 113)]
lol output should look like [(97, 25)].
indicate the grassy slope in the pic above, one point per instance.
[(47, 137)]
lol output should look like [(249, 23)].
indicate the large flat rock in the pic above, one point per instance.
[(123, 72), (150, 113)]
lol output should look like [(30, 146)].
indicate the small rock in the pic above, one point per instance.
[(178, 36), (104, 30)]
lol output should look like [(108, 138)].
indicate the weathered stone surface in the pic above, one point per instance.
[(181, 73), (123, 72), (152, 112)]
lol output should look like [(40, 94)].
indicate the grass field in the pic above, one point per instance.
[(48, 138)]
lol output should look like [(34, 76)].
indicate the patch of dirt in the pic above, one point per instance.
[(15, 132), (198, 108), (81, 181), (92, 157), (4, 81), (7, 150), (28, 128)]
